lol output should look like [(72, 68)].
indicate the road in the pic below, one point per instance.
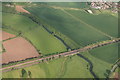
[(73, 52)]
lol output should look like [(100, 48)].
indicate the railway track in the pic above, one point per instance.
[(65, 54)]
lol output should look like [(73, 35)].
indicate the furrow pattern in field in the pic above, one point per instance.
[(88, 25)]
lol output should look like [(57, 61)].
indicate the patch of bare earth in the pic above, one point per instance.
[(117, 76), (21, 9), (5, 35), (18, 49)]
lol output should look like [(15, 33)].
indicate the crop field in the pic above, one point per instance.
[(20, 47), (66, 4), (6, 35), (108, 51), (33, 32), (58, 68), (109, 24), (62, 22)]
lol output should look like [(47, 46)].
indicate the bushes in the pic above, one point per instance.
[(25, 74)]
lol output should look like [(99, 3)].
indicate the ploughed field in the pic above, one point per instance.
[(18, 49), (6, 35)]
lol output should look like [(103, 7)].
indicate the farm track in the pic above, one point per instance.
[(65, 54), (88, 25)]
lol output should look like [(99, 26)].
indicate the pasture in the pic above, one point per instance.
[(110, 53), (76, 67), (18, 23), (37, 35), (42, 70), (44, 42), (59, 68), (99, 66)]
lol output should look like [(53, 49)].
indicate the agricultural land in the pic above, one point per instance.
[(59, 40)]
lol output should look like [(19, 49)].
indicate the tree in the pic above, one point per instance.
[(23, 73), (29, 74), (69, 49), (108, 71), (106, 75)]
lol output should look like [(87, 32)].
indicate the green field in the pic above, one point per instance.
[(44, 41), (66, 4), (99, 66), (104, 22), (55, 69), (80, 33), (77, 68), (40, 38), (110, 53), (18, 22)]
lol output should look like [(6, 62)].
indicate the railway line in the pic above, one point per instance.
[(65, 54)]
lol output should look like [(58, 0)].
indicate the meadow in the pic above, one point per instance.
[(99, 66), (44, 42), (41, 39), (59, 68), (108, 51)]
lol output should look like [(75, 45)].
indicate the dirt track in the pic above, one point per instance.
[(18, 49)]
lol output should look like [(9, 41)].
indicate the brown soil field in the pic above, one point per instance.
[(18, 49), (21, 9), (5, 35)]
